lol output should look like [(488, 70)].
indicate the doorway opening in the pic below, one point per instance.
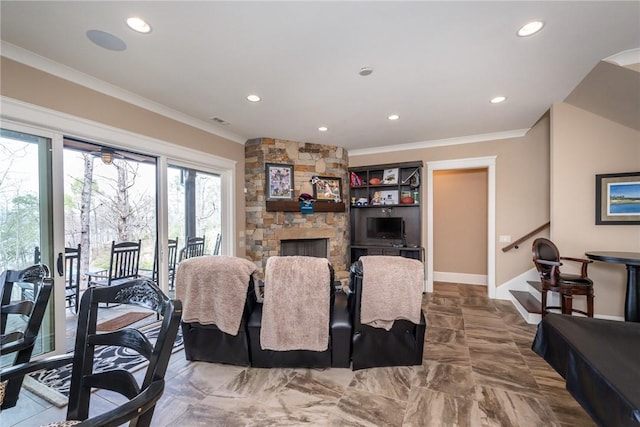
[(472, 163)]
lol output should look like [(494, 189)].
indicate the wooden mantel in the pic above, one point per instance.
[(291, 206)]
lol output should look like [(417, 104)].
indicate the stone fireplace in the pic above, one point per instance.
[(267, 229)]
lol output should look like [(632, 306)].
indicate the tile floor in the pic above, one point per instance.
[(478, 370)]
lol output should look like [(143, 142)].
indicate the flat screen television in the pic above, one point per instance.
[(387, 228)]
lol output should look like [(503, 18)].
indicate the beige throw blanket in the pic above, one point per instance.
[(391, 290), (213, 290), (295, 313)]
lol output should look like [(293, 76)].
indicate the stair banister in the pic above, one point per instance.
[(525, 237)]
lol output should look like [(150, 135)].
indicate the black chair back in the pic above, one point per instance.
[(172, 246), (21, 320), (173, 257), (141, 293), (155, 344), (545, 250), (125, 260), (72, 276), (194, 247), (216, 249)]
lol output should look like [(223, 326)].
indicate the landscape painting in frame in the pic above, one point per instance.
[(618, 199), (279, 181)]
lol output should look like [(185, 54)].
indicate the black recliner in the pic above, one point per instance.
[(207, 342), (337, 353), (402, 345)]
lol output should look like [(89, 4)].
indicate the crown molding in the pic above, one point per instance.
[(470, 139), (46, 65)]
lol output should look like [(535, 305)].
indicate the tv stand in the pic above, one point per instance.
[(404, 251)]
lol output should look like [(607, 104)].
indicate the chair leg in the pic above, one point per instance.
[(568, 304), (590, 305), (543, 303)]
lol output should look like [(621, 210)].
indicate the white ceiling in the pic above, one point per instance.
[(436, 64)]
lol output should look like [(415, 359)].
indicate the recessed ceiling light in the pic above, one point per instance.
[(139, 25), (393, 117), (365, 71), (254, 98), (323, 128), (498, 99), (530, 28)]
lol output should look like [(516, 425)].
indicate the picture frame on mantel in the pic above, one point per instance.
[(327, 189), (278, 181), (618, 199)]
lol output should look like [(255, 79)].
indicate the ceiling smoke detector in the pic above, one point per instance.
[(365, 71)]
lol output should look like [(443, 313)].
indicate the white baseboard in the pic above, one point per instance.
[(465, 278), (608, 317)]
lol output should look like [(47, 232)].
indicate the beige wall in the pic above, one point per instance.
[(522, 187), (460, 221), (583, 145), (29, 85)]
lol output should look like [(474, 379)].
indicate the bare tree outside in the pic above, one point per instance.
[(19, 204), (117, 203)]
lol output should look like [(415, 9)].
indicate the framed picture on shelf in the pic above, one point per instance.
[(279, 181), (390, 176), (618, 199), (327, 189), (389, 197)]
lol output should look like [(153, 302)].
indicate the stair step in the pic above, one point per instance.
[(536, 285), (527, 301)]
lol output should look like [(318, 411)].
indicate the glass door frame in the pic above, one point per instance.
[(51, 187), (62, 124)]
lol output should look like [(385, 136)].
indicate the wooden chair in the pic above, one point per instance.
[(124, 265), (141, 398), (72, 277), (547, 260), (21, 320), (193, 248), (216, 248), (172, 246)]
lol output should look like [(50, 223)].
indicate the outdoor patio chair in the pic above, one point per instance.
[(193, 248), (141, 398), (124, 265), (72, 277), (21, 319), (172, 247), (216, 248)]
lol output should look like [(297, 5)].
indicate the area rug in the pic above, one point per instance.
[(53, 384), (122, 321)]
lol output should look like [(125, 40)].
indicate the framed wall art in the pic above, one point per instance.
[(618, 199), (327, 189), (279, 181)]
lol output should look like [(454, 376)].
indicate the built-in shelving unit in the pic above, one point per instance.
[(387, 190)]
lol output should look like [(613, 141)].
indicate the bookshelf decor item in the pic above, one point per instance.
[(327, 189), (390, 176), (389, 197), (279, 181)]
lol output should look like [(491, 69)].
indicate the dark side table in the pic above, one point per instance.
[(632, 261)]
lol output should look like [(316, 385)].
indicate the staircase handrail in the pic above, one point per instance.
[(525, 237)]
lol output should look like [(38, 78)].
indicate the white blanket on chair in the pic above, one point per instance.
[(391, 290), (295, 313), (213, 290)]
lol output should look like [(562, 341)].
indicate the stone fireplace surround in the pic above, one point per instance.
[(265, 230)]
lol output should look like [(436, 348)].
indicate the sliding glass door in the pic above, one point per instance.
[(28, 213), (194, 200)]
